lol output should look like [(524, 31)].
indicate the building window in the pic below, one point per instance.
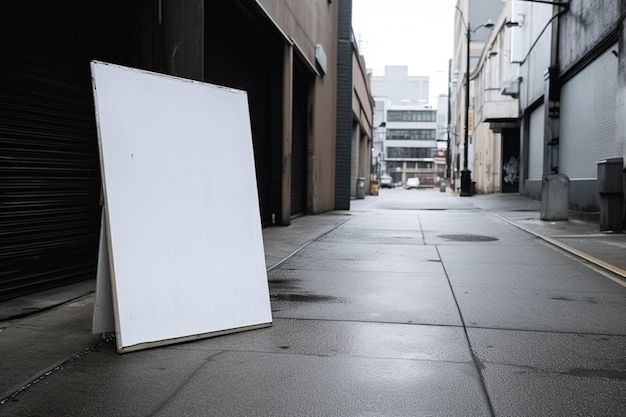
[(394, 166), (412, 116), (425, 165), (408, 153), (411, 134)]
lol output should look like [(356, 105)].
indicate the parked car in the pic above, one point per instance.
[(385, 181), (412, 183)]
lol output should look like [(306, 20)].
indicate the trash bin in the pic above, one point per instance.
[(442, 186), (360, 187), (611, 189), (374, 186), (555, 197)]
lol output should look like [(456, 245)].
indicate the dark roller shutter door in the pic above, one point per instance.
[(240, 53), (299, 152), (49, 173)]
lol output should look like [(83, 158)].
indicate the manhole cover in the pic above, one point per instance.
[(468, 238)]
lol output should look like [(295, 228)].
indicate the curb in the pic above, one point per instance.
[(621, 273)]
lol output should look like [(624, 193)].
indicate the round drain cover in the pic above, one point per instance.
[(468, 238)]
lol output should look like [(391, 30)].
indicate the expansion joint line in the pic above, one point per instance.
[(55, 369), (419, 220), (305, 245), (477, 363)]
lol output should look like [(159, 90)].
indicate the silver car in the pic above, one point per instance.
[(385, 181)]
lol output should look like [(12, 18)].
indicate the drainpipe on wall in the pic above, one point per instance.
[(285, 211), (182, 23)]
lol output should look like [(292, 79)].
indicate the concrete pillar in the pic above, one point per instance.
[(354, 160), (345, 88), (287, 131), (552, 107)]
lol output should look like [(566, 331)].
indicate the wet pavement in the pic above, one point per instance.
[(413, 303)]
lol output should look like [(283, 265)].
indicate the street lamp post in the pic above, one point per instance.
[(466, 174)]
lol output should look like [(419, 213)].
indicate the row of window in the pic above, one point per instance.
[(409, 153), (412, 134), (398, 166), (412, 116)]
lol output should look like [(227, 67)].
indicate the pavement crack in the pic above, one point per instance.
[(419, 220), (184, 383), (479, 365), (274, 266)]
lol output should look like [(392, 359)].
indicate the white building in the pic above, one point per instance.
[(442, 135), (411, 144), (563, 62), (572, 95), (475, 18), (496, 127)]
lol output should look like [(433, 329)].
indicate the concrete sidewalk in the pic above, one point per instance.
[(584, 239), (413, 303)]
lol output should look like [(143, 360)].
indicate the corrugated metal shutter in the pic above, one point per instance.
[(49, 188), (535, 144), (588, 122)]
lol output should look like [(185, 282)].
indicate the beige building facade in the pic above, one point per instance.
[(496, 146), (473, 23), (294, 58)]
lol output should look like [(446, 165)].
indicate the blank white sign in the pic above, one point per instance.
[(184, 234)]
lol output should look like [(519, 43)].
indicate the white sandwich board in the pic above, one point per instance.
[(181, 213)]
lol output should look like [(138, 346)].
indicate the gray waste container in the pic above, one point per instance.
[(360, 187), (611, 189)]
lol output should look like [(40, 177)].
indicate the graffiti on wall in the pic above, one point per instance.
[(511, 171)]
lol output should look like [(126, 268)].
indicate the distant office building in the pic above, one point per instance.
[(411, 144), (405, 128), (378, 138), (442, 136), (399, 88)]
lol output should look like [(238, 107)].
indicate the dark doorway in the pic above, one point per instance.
[(300, 134), (244, 53), (510, 160)]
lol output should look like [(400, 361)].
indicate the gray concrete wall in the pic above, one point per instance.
[(586, 24), (480, 12), (584, 197)]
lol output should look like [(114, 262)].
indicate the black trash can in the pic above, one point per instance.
[(611, 189)]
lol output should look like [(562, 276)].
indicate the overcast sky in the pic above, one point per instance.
[(416, 33)]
